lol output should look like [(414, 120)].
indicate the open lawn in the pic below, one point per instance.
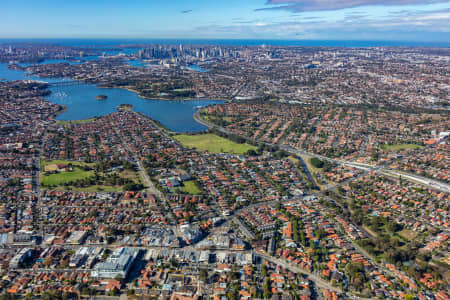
[(294, 160), (57, 180), (307, 161), (44, 162), (398, 147), (64, 177), (191, 188), (407, 234), (98, 188), (93, 188), (132, 175), (212, 143), (213, 119)]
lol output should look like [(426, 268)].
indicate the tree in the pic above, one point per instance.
[(48, 261), (267, 289), (393, 227), (252, 152), (316, 162), (173, 262), (278, 205), (263, 270), (203, 274), (119, 278), (132, 186), (54, 294), (8, 296)]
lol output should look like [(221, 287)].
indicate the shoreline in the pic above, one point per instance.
[(157, 123), (172, 98), (63, 110), (97, 85), (162, 98)]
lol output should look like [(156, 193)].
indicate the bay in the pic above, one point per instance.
[(80, 102), (176, 115)]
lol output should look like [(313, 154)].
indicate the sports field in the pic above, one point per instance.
[(63, 177), (398, 147), (212, 143), (191, 188), (59, 179)]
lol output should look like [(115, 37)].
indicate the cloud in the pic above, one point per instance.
[(412, 13), (417, 26), (320, 5), (186, 11)]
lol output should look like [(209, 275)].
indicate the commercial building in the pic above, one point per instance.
[(20, 258), (117, 264)]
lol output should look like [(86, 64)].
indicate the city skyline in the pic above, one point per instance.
[(401, 20)]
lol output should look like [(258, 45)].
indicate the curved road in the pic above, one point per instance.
[(430, 183)]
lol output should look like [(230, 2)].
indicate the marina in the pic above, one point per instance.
[(176, 115)]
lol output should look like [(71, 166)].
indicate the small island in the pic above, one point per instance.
[(101, 97)]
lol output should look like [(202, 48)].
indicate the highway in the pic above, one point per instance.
[(380, 169), (434, 184), (366, 169)]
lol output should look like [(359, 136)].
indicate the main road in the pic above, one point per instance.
[(150, 186), (366, 169), (295, 269), (381, 169)]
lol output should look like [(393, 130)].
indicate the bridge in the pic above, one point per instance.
[(74, 82), (65, 83)]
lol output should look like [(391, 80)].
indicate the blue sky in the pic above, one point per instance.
[(416, 20)]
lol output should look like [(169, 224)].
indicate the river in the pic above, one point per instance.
[(176, 115)]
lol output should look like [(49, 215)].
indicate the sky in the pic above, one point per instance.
[(400, 20)]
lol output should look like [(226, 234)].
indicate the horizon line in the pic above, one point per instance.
[(224, 39)]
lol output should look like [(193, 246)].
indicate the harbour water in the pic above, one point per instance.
[(80, 102), (177, 115), (197, 68), (10, 75)]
